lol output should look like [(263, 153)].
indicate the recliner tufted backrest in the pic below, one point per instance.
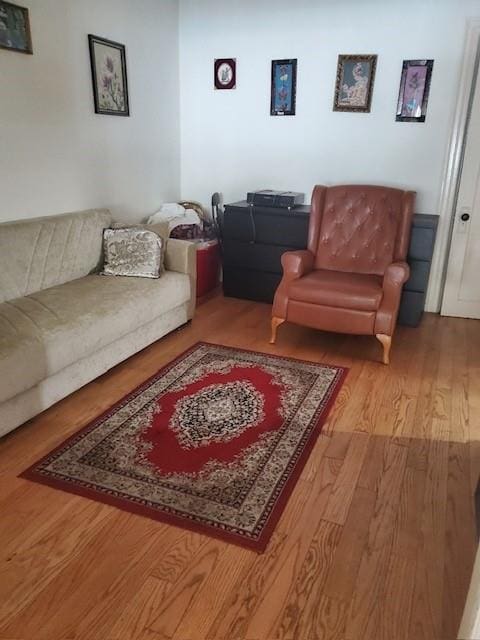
[(359, 228)]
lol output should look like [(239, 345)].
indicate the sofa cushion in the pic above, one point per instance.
[(44, 332), (358, 291)]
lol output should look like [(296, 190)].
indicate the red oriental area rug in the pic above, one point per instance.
[(214, 442)]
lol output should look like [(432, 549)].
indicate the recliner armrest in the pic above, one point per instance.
[(395, 277), (296, 264)]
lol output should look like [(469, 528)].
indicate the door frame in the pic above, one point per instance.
[(453, 165)]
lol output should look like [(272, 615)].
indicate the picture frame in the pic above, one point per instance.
[(225, 73), (283, 87), (109, 76), (414, 90), (354, 82), (15, 34)]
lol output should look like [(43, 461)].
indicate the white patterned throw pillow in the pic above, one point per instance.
[(133, 251)]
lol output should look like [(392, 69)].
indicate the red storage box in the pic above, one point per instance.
[(208, 266)]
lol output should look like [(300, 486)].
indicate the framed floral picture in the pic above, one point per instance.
[(109, 76), (354, 83), (414, 90), (15, 28), (284, 88)]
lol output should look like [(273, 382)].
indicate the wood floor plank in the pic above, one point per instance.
[(342, 419), (338, 444), (214, 591), (426, 619), (312, 466), (460, 413), (312, 619), (342, 576), (172, 561), (370, 474), (460, 543), (419, 444), (329, 619), (365, 615), (135, 620), (396, 599), (180, 598), (342, 492)]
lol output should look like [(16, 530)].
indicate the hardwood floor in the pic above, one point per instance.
[(377, 540)]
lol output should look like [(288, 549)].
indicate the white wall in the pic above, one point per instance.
[(229, 141), (56, 154)]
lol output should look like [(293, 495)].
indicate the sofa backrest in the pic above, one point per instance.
[(39, 253)]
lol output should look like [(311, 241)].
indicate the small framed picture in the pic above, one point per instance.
[(225, 73), (414, 90), (354, 83), (15, 28), (284, 87), (109, 76)]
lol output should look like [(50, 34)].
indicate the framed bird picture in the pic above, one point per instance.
[(354, 83)]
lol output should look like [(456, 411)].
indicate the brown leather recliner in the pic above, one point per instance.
[(350, 278)]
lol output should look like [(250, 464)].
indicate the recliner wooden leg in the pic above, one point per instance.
[(276, 322), (386, 343)]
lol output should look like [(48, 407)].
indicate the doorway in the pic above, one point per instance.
[(461, 295)]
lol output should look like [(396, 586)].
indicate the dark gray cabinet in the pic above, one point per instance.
[(254, 240), (420, 252)]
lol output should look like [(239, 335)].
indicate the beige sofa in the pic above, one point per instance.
[(62, 324)]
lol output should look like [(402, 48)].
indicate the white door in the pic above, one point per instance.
[(462, 287)]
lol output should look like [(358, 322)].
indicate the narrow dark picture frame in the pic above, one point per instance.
[(92, 41), (407, 66), (340, 83), (277, 64), (28, 49)]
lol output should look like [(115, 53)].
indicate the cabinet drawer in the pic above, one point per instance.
[(411, 308), (263, 228), (419, 272), (261, 257), (421, 243), (250, 284)]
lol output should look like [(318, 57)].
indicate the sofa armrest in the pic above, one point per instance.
[(394, 278), (181, 256), (296, 264)]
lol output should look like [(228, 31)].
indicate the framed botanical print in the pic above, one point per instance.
[(15, 28), (284, 88), (414, 90), (354, 83), (109, 76), (225, 73)]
